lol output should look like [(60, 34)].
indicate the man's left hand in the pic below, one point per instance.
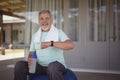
[(45, 45)]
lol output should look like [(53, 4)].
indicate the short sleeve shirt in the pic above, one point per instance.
[(50, 54)]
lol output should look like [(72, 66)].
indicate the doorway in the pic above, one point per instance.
[(103, 35)]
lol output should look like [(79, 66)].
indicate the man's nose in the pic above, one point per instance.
[(44, 20)]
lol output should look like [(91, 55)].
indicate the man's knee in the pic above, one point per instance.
[(52, 67), (55, 66), (21, 65)]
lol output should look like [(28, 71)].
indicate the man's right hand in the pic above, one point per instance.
[(30, 62)]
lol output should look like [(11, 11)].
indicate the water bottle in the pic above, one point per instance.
[(32, 67)]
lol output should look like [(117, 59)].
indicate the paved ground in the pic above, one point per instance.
[(7, 69), (96, 76), (12, 54), (7, 62)]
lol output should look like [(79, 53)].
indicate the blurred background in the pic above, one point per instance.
[(93, 25)]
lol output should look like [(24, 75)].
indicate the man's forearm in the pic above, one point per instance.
[(66, 45)]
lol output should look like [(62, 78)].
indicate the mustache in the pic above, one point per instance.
[(44, 24)]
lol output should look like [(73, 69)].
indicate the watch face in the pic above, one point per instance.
[(52, 43)]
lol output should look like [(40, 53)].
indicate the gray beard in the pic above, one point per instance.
[(44, 28)]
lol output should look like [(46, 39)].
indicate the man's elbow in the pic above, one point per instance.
[(71, 46)]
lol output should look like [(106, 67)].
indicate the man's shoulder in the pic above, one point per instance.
[(60, 31), (33, 35)]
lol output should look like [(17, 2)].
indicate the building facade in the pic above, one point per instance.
[(93, 25)]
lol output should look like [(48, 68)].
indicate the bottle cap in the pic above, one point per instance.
[(34, 56)]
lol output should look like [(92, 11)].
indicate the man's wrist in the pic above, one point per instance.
[(52, 43), (30, 53)]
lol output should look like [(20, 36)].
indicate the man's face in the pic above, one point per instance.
[(45, 21)]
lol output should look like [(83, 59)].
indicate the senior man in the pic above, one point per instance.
[(48, 43)]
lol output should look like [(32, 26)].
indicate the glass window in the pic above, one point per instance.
[(15, 35), (97, 20), (116, 18), (73, 19)]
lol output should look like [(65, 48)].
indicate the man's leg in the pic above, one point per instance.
[(55, 71), (21, 70)]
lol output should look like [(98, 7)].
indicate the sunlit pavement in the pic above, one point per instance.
[(12, 54)]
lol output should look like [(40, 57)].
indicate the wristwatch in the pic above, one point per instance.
[(52, 43)]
